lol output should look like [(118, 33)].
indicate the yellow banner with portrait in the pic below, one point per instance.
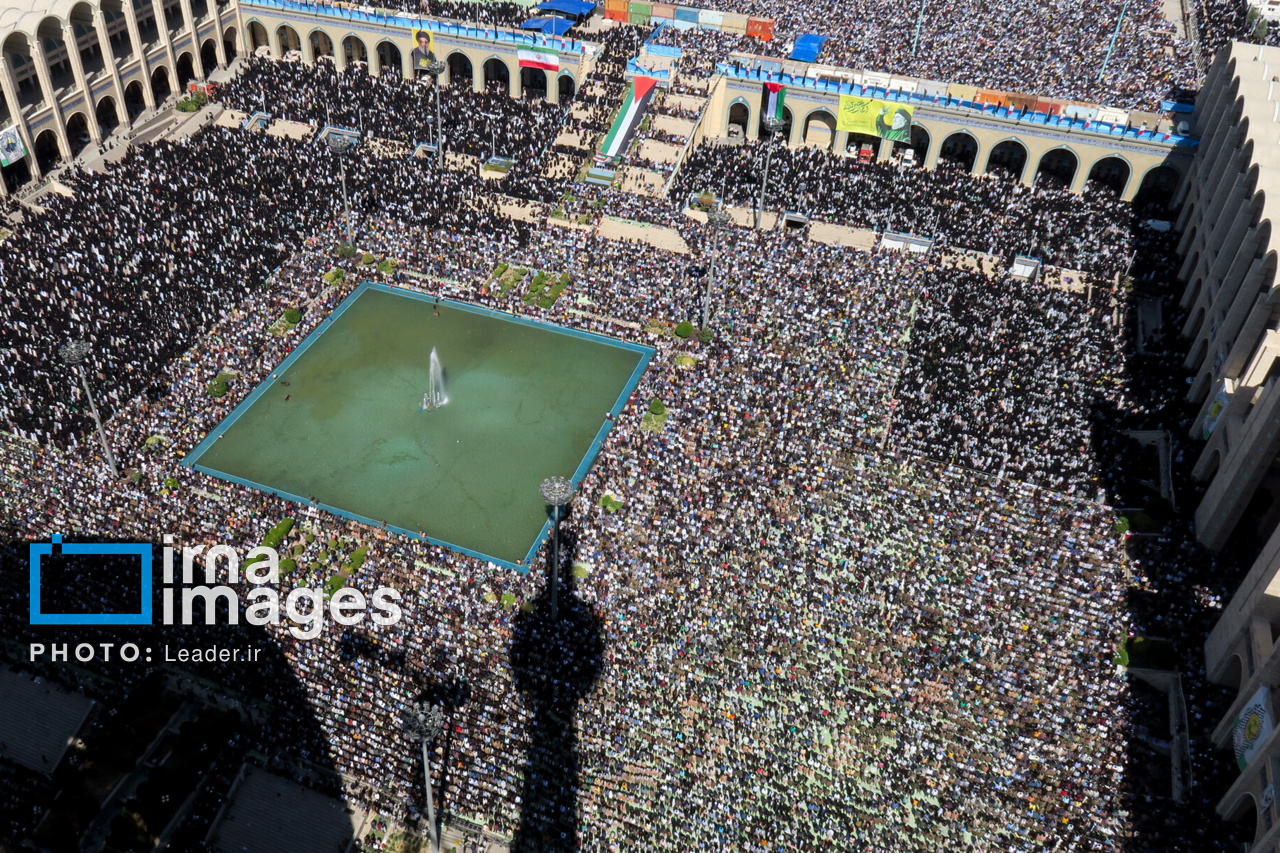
[(885, 119), (423, 53)]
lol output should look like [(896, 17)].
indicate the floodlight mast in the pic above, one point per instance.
[(557, 491), (74, 354), (426, 721)]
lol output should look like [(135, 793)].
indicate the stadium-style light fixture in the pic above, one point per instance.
[(771, 124), (74, 354), (556, 491)]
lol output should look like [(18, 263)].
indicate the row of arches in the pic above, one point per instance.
[(80, 51), (495, 72), (1009, 158), (60, 55)]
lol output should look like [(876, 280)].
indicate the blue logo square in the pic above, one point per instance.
[(140, 549)]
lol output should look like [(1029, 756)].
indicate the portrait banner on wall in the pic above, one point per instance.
[(423, 53), (874, 117), (11, 148)]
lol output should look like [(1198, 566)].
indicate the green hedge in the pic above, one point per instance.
[(553, 292), (656, 407), (346, 250), (292, 316), (273, 539), (193, 103), (218, 388), (684, 329), (356, 560), (705, 335), (368, 259)]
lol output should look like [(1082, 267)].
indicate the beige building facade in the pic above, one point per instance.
[(1229, 252), (73, 72)]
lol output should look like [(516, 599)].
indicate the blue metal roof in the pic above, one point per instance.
[(548, 26), (569, 7), (807, 46)]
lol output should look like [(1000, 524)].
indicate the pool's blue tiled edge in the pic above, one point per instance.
[(646, 355)]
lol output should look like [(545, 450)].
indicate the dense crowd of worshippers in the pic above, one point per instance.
[(863, 589), (1050, 49)]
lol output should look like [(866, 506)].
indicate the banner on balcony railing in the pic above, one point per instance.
[(872, 117), (1252, 727), (11, 148)]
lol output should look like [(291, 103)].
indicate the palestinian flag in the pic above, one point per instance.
[(539, 57), (628, 121), (774, 95)]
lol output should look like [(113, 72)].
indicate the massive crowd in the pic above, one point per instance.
[(863, 590)]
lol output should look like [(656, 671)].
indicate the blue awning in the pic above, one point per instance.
[(1175, 107), (548, 26), (807, 47), (574, 8)]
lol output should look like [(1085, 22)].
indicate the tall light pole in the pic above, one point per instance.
[(772, 124), (717, 220), (915, 42), (74, 354), (493, 147), (435, 68), (340, 144), (556, 491), (426, 722)]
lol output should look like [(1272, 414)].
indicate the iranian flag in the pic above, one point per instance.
[(774, 95), (539, 57)]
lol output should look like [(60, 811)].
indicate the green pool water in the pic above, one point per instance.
[(342, 422)]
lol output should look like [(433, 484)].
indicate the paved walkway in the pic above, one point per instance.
[(658, 236)]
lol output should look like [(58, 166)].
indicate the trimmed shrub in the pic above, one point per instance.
[(218, 388), (705, 335), (287, 565), (356, 560), (684, 329), (310, 537), (656, 407), (368, 259), (228, 378), (276, 534), (192, 103), (346, 250), (292, 316), (171, 483), (387, 266)]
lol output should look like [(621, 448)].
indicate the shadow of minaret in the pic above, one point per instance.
[(556, 663)]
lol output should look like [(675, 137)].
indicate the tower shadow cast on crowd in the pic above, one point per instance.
[(556, 663)]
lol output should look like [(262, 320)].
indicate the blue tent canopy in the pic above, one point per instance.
[(807, 47), (573, 8), (548, 26)]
